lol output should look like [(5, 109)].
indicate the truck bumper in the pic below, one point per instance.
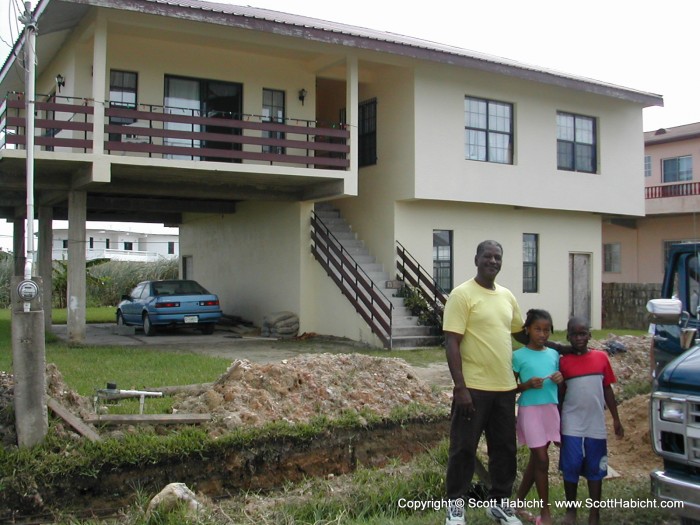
[(676, 488)]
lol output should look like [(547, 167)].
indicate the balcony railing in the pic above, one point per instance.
[(683, 189), (177, 133)]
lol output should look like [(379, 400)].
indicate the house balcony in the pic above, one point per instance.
[(669, 199), (66, 124), (155, 163), (61, 254)]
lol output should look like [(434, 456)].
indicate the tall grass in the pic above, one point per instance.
[(119, 277)]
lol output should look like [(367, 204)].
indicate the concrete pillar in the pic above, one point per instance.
[(351, 116), (44, 260), (99, 74), (18, 243), (77, 212), (29, 368)]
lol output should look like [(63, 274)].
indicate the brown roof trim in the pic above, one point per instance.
[(297, 26)]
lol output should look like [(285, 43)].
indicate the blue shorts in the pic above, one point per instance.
[(587, 457)]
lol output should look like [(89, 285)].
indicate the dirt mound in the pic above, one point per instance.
[(301, 388), (632, 456), (630, 361)]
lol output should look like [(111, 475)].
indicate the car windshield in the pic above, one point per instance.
[(178, 288)]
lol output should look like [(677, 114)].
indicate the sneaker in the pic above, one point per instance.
[(503, 514), (455, 515)]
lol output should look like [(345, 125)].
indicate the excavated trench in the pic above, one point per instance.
[(261, 464)]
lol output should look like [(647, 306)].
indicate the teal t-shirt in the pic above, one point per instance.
[(529, 363)]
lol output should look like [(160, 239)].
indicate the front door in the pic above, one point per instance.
[(580, 285)]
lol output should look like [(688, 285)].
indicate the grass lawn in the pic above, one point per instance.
[(369, 496)]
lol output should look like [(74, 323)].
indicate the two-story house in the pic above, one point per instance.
[(635, 251), (237, 123)]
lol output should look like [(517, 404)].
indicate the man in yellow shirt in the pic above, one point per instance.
[(479, 318)]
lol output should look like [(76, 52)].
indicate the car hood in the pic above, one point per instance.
[(682, 375)]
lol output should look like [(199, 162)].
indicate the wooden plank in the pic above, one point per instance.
[(148, 419), (73, 420)]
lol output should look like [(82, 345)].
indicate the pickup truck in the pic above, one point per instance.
[(675, 398)]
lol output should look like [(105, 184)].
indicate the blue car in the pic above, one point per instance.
[(169, 303)]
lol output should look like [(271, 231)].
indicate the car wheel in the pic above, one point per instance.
[(120, 319), (148, 328), (208, 329)]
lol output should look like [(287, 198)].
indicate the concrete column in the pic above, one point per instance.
[(44, 260), (18, 243), (99, 74), (29, 368), (352, 104), (77, 212)]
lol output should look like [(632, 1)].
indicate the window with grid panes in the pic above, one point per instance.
[(576, 143), (273, 110), (367, 132), (530, 262), (488, 130)]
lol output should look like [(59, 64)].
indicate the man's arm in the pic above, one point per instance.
[(611, 403), (462, 397)]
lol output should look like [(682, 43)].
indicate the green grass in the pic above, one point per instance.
[(93, 314), (369, 496)]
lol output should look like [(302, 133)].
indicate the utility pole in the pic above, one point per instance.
[(28, 338)]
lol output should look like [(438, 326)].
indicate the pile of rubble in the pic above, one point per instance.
[(301, 388)]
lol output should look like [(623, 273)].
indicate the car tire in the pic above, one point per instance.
[(148, 328), (689, 521), (120, 319), (208, 329)]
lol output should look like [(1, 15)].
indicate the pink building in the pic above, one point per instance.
[(634, 250)]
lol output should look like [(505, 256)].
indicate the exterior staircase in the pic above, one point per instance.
[(405, 330)]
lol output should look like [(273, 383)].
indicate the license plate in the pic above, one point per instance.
[(191, 319)]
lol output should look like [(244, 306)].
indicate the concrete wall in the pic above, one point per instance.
[(643, 247), (533, 180), (259, 261), (472, 223)]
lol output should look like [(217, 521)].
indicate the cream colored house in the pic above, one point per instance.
[(635, 250), (234, 123)]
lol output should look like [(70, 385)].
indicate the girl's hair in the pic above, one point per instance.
[(535, 314)]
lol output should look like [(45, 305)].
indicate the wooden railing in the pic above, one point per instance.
[(683, 189), (165, 132), (369, 301), (412, 273)]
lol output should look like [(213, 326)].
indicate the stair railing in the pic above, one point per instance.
[(411, 272), (369, 301)]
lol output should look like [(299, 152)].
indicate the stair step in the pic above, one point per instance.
[(410, 342), (416, 330)]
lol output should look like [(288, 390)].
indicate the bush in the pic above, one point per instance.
[(6, 270), (116, 278)]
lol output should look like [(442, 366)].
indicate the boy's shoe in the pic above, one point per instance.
[(503, 514), (455, 515)]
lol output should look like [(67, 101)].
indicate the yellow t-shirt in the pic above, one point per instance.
[(486, 318)]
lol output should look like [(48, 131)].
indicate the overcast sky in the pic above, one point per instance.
[(648, 46)]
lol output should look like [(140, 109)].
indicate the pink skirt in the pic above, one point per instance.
[(537, 425)]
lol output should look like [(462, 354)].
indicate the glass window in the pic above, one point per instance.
[(647, 165), (576, 143), (171, 248), (488, 130), (612, 258), (273, 110), (677, 169), (122, 94), (367, 133), (442, 259), (128, 246), (530, 262)]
